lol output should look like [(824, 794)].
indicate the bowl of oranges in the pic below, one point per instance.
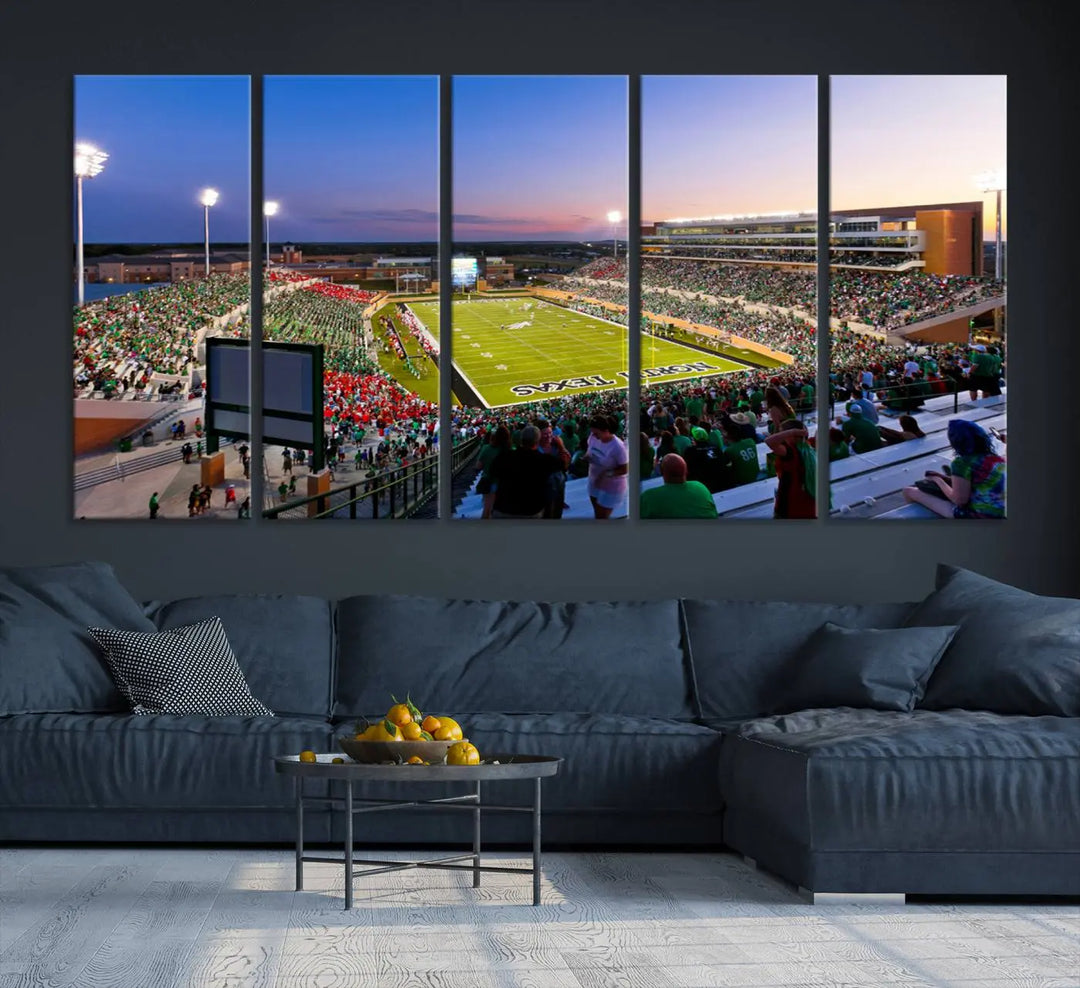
[(408, 736)]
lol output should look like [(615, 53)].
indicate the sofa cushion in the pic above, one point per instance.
[(188, 670), (157, 763), (882, 669), (629, 764), (283, 643), (471, 656), (862, 780), (48, 661), (742, 651), (1015, 653)]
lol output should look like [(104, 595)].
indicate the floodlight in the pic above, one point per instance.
[(209, 197), (991, 181), (994, 181), (270, 208), (614, 216), (89, 160)]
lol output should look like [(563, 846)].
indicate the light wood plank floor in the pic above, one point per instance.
[(189, 918)]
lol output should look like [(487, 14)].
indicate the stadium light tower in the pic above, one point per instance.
[(270, 208), (615, 218), (994, 181), (208, 198), (89, 161)]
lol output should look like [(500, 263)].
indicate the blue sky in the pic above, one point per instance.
[(167, 137)]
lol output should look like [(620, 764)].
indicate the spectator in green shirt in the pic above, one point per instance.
[(677, 497), (740, 449), (838, 447), (863, 436)]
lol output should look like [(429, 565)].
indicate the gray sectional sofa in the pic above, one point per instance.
[(670, 714)]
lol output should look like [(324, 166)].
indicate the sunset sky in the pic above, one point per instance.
[(542, 157), (915, 139)]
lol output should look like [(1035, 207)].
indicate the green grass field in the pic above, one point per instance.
[(547, 351)]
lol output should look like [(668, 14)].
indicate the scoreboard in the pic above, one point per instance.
[(463, 272)]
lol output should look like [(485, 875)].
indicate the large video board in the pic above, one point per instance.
[(463, 272)]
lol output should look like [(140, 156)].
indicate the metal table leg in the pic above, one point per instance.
[(536, 841), (299, 833), (476, 840), (348, 844)]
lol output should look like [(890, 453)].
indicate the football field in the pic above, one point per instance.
[(524, 349)]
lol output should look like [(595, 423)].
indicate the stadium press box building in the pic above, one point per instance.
[(938, 238)]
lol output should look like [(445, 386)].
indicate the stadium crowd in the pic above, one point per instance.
[(121, 340), (884, 301)]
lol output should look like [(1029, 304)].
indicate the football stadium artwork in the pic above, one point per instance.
[(350, 341), (728, 297), (161, 193), (917, 257), (540, 366)]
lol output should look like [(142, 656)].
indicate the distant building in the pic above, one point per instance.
[(172, 266), (939, 238), (409, 273), (291, 254), (498, 272)]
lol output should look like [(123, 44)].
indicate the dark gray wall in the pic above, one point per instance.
[(42, 48)]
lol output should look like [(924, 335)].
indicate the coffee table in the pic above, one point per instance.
[(535, 767)]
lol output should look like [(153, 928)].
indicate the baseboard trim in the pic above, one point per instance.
[(852, 898)]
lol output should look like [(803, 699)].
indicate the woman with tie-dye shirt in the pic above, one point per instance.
[(975, 487)]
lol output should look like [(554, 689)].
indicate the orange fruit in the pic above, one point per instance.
[(416, 760), (411, 731), (385, 730), (399, 714), (462, 753), (431, 724), (308, 756)]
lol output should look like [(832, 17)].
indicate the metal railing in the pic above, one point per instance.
[(395, 493), (134, 394), (951, 387)]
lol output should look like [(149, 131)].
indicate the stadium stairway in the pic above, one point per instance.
[(576, 498)]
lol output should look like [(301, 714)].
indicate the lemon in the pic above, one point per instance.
[(449, 730), (308, 756), (337, 761)]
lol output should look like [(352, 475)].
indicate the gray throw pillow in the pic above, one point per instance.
[(873, 668), (1015, 653), (48, 662)]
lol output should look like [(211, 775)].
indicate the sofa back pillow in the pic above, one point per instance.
[(741, 651), (473, 656), (1015, 653), (48, 661), (869, 668), (283, 643)]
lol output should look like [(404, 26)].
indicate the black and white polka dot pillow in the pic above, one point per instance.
[(189, 670)]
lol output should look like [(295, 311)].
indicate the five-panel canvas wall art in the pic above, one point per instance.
[(374, 370)]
